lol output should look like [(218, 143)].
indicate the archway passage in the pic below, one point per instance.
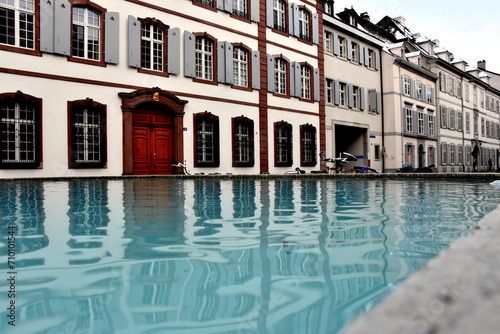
[(152, 132)]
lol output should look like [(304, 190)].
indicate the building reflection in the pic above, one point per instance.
[(242, 256)]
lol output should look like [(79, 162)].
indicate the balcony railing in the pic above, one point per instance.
[(209, 3), (241, 14)]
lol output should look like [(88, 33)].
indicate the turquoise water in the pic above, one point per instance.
[(218, 256)]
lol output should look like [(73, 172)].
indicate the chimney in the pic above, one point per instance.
[(365, 16), (401, 20), (481, 65)]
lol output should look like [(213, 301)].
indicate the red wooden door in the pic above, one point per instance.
[(153, 145)]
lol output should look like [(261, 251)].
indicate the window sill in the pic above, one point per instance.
[(204, 6), (285, 96), (207, 82), (243, 88), (87, 61), (16, 49), (152, 72), (236, 17)]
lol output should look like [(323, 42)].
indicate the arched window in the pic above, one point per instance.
[(305, 82), (280, 9), (241, 62), (206, 140), (153, 45), (20, 131), (304, 24), (283, 144), (243, 142), (204, 58), (87, 134), (87, 31), (17, 23), (307, 145), (281, 69)]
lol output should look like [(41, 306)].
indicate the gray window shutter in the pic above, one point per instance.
[(375, 59), (350, 98), (362, 98), (414, 117), (377, 103), (413, 91), (228, 6), (112, 37), (290, 19), (220, 4), (365, 49), (316, 84), (349, 49), (62, 27), (270, 73), (293, 77), (315, 28), (269, 13), (295, 26), (336, 98), (174, 46), (47, 27), (402, 84), (228, 55), (372, 100), (255, 69), (189, 54), (221, 61), (297, 81), (426, 124), (255, 10), (432, 95), (336, 47), (361, 54), (134, 42)]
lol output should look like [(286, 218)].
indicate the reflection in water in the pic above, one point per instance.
[(215, 256)]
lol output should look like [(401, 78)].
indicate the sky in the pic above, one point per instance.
[(468, 29)]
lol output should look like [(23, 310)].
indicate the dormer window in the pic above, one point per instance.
[(352, 20)]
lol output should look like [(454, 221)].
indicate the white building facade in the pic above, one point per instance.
[(93, 88)]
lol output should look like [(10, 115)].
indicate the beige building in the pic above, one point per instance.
[(410, 133), (353, 83)]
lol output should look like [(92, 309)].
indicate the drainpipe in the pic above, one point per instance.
[(402, 118), (382, 110), (463, 130)]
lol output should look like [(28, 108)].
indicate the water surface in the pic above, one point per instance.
[(220, 256)]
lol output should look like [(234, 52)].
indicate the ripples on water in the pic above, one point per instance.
[(230, 256)]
